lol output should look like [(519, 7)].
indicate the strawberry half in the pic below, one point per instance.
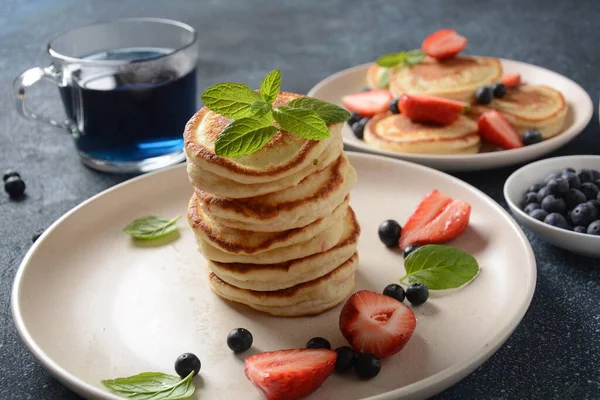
[(368, 103), (378, 324), (496, 129), (437, 219), (421, 108), (511, 80), (445, 43), (290, 374)]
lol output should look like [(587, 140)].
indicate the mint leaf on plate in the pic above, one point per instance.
[(232, 100), (269, 89), (391, 60), (440, 267), (301, 122), (329, 113), (244, 136), (151, 227), (152, 386), (414, 57)]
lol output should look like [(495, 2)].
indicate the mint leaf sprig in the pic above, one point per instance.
[(255, 120), (401, 59), (152, 386)]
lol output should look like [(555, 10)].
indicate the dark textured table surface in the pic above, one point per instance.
[(553, 354)]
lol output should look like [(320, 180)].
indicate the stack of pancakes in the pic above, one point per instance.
[(275, 226)]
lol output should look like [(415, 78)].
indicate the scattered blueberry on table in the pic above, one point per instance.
[(13, 184), (395, 291), (417, 294), (186, 363), (239, 340)]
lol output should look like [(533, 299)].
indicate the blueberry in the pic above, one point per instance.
[(535, 187), (558, 186), (318, 343), (37, 235), (410, 249), (484, 95), (538, 214), (584, 214), (568, 218), (580, 229), (389, 233), (594, 228), (531, 206), (499, 89), (359, 128), (542, 194), (394, 106), (556, 220), (239, 340), (367, 365), (9, 174), (586, 175), (597, 182), (186, 363), (394, 291), (590, 190), (14, 186), (417, 294), (355, 117), (551, 176), (530, 197), (596, 203), (574, 197), (572, 179), (346, 357), (595, 174), (553, 204), (569, 170), (532, 137)]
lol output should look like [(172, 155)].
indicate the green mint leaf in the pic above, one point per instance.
[(152, 386), (384, 79), (151, 227), (391, 60), (301, 122), (232, 100), (269, 89), (260, 108), (244, 136), (440, 267), (329, 113), (414, 57)]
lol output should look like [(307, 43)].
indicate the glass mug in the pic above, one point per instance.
[(128, 88)]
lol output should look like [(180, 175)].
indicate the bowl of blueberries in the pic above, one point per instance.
[(559, 199)]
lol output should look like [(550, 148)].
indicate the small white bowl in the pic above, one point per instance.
[(516, 186)]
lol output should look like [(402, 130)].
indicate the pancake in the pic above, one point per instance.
[(284, 156), (531, 107), (321, 242), (457, 78), (308, 298), (396, 132), (374, 75), (316, 196), (287, 274)]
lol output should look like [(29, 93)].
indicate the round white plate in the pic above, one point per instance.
[(351, 80), (92, 304)]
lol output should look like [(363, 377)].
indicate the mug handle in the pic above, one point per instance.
[(28, 79)]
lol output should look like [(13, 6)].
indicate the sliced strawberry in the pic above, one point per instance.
[(437, 219), (445, 43), (290, 374), (368, 103), (378, 324), (496, 129), (420, 108), (511, 80)]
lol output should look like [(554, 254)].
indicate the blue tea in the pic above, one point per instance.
[(130, 116)]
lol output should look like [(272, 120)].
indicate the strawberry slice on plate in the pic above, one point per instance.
[(290, 374), (437, 219), (443, 44), (368, 103), (511, 80), (377, 324), (497, 130), (421, 108)]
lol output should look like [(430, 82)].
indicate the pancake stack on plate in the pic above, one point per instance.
[(275, 225)]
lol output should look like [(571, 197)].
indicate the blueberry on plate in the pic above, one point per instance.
[(584, 214), (542, 194), (346, 357), (551, 176), (530, 197), (538, 214), (389, 233), (574, 197), (14, 186), (410, 249), (318, 343), (499, 90), (10, 174), (394, 291), (580, 229), (239, 340), (590, 190), (417, 294), (394, 107), (532, 137), (367, 365), (558, 186), (358, 128), (594, 228), (553, 204), (535, 187), (557, 220), (484, 95), (586, 175), (572, 179), (530, 207), (355, 117), (186, 363)]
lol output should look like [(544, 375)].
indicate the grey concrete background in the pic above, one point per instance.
[(553, 354)]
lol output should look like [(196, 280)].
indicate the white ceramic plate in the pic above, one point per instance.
[(516, 186), (91, 304), (580, 112)]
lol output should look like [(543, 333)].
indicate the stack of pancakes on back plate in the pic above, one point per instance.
[(275, 226)]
